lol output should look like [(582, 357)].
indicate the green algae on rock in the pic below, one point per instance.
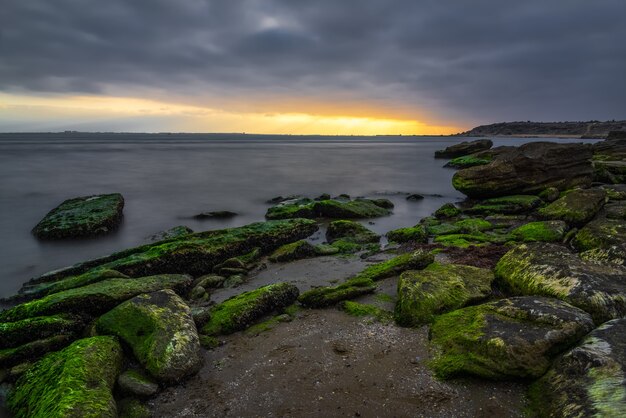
[(81, 217), (416, 233), (330, 208), (194, 254), (74, 382), (241, 311), (506, 205), (508, 338), (576, 207), (472, 225), (321, 297), (415, 260), (601, 233), (362, 309), (96, 298), (135, 383), (32, 350), (132, 408), (294, 251), (552, 270), (13, 334), (447, 210), (466, 161), (350, 231), (545, 231), (614, 254), (437, 289), (588, 380)]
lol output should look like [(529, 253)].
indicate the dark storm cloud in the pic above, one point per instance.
[(471, 61)]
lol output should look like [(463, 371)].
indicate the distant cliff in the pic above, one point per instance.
[(590, 129)]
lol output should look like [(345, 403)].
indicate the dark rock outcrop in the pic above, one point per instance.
[(464, 148), (577, 207)]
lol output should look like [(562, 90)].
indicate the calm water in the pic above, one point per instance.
[(165, 179)]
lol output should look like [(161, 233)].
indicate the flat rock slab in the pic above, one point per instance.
[(509, 338), (464, 148), (588, 380), (82, 217), (74, 382), (577, 207), (160, 330), (552, 270), (330, 208), (602, 233), (437, 289)]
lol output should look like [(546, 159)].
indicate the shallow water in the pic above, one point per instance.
[(166, 179)]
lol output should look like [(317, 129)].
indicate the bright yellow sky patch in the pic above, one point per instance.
[(65, 112)]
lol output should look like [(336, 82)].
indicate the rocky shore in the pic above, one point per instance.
[(510, 303)]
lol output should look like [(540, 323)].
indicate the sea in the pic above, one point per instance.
[(168, 178)]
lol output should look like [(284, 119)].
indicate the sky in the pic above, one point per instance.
[(308, 67)]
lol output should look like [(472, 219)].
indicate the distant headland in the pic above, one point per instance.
[(589, 129)]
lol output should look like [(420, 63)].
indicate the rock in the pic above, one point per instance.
[(416, 233), (175, 232), (280, 199), (528, 169), (506, 205), (235, 280), (323, 196), (414, 197), (616, 135), (601, 233), (448, 210), (615, 191), (294, 251), (209, 281), (545, 231), (82, 217), (74, 382), (201, 315), (467, 161), (508, 338), (577, 207), (615, 210), (333, 208), (472, 225), (325, 249), (198, 293), (216, 214), (615, 254), (464, 148), (350, 231), (322, 297), (437, 289), (383, 203), (552, 270), (14, 334), (226, 271), (159, 329), (550, 194), (239, 312), (135, 383), (415, 260), (32, 350), (94, 299), (289, 209), (132, 408), (195, 254), (232, 263), (588, 380)]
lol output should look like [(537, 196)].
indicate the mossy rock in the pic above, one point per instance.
[(544, 231), (472, 225), (466, 161), (13, 334), (174, 232), (160, 330), (325, 249), (133, 408), (415, 260), (552, 270), (509, 338), (464, 148), (350, 231), (290, 209), (33, 350), (463, 240), (615, 210), (506, 205), (241, 311), (416, 233), (330, 208), (74, 382), (194, 254), (294, 251), (136, 383), (94, 299), (81, 217), (437, 289), (601, 233), (588, 380), (322, 297), (577, 207), (383, 203), (362, 309), (444, 228), (615, 254), (448, 210)]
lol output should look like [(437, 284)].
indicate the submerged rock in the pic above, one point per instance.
[(437, 289), (464, 148), (160, 330), (74, 382), (577, 207), (528, 169), (239, 312), (82, 217), (174, 232), (351, 232), (216, 214), (294, 251), (331, 208), (589, 380), (552, 270), (508, 338)]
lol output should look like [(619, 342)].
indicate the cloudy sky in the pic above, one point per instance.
[(295, 66)]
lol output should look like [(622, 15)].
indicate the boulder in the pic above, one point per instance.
[(74, 382), (528, 169), (437, 289), (415, 260), (588, 380), (544, 231), (82, 217), (241, 311), (160, 330), (464, 148), (601, 233), (416, 233), (448, 210), (577, 207), (331, 208), (135, 383), (552, 270), (507, 205), (33, 350), (94, 299), (294, 251), (509, 338), (350, 231), (614, 254)]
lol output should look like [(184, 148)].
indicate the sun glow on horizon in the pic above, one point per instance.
[(57, 113)]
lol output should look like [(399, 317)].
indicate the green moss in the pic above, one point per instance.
[(469, 161), (468, 226), (321, 297), (360, 309), (359, 208), (300, 208), (547, 231), (239, 312), (577, 207), (294, 251), (415, 233), (447, 211), (351, 232), (72, 282), (443, 229), (209, 342), (325, 249), (95, 298), (506, 205), (133, 408), (346, 247), (383, 297), (410, 261), (462, 240), (76, 381), (13, 334), (601, 233), (34, 349)]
